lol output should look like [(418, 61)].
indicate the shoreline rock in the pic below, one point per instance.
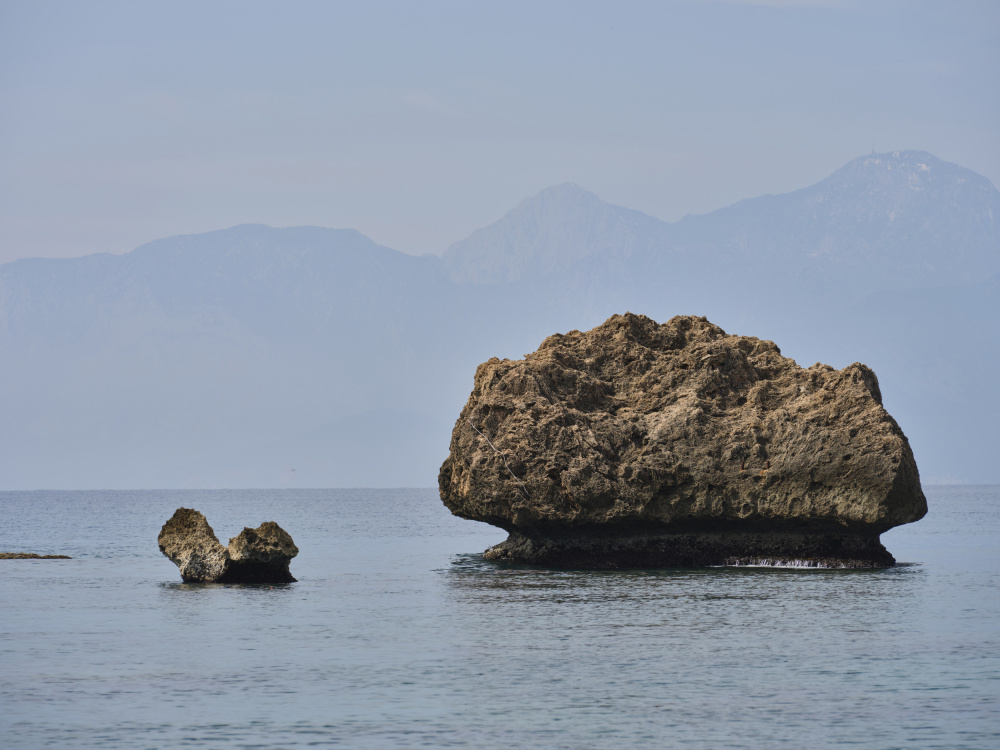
[(31, 556), (643, 445), (260, 555)]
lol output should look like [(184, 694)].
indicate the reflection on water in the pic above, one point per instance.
[(749, 607), (179, 586), (472, 572)]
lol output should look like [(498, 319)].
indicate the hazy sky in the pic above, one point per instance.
[(416, 123)]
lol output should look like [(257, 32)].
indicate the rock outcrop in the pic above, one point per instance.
[(31, 556), (260, 555), (644, 445)]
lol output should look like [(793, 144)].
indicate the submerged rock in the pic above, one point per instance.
[(260, 555), (644, 445), (31, 556)]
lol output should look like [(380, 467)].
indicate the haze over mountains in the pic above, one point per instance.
[(256, 357)]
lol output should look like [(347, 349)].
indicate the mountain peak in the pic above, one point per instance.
[(918, 160), (911, 170), (547, 233), (565, 191)]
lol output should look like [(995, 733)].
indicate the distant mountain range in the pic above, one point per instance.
[(906, 218), (255, 357)]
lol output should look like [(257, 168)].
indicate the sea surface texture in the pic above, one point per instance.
[(399, 634)]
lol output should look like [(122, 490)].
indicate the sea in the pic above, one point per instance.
[(398, 634)]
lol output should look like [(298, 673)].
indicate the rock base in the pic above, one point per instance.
[(696, 549), (257, 573)]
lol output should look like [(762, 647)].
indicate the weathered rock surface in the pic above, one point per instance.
[(260, 555), (642, 445)]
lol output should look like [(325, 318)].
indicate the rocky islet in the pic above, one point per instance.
[(260, 555), (31, 556), (638, 444)]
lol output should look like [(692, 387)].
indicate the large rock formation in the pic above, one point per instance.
[(645, 445), (260, 555)]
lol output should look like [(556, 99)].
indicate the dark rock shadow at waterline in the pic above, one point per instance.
[(472, 565)]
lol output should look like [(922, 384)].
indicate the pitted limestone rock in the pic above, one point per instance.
[(260, 555), (640, 444)]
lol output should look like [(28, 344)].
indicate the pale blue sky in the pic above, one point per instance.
[(416, 123)]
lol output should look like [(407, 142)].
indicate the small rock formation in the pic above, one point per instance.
[(260, 555), (31, 556), (644, 445)]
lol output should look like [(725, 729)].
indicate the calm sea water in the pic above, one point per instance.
[(399, 634)]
